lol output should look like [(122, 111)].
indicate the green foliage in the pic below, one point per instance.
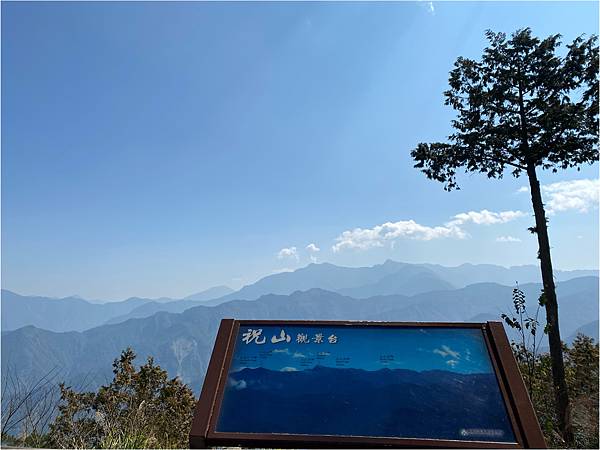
[(138, 409), (528, 345), (581, 376), (32, 440), (581, 366), (522, 105)]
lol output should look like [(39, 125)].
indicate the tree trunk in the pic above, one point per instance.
[(551, 304)]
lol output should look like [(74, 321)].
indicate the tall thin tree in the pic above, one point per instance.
[(527, 105)]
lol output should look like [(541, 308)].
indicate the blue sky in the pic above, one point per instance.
[(157, 149), (458, 350)]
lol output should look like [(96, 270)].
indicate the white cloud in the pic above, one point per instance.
[(468, 355), (298, 355), (578, 195), (282, 270), (507, 239), (312, 249), (286, 253), (452, 362), (289, 369), (485, 217), (447, 351), (389, 232), (428, 6), (285, 350), (238, 385), (377, 236)]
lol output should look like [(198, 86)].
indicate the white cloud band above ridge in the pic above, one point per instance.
[(507, 239), (379, 235), (290, 252), (578, 195), (485, 217), (574, 195), (312, 250)]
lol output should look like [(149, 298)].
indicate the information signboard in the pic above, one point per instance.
[(327, 384)]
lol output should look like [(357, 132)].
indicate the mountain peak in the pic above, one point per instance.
[(210, 293), (314, 292)]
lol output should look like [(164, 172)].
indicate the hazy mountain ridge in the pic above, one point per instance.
[(182, 342), (210, 293), (346, 279), (589, 329), (150, 308), (60, 314), (408, 280), (77, 314), (467, 273), (389, 278)]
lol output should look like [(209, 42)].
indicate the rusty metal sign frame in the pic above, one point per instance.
[(520, 410)]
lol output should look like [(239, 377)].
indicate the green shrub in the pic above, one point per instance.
[(138, 409), (581, 367)]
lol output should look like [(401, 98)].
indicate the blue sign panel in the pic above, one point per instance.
[(372, 381)]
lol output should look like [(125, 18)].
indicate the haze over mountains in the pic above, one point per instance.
[(77, 314), (180, 333), (389, 278)]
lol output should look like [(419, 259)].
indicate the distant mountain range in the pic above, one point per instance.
[(211, 293), (60, 314), (389, 278), (392, 277), (435, 404), (77, 314), (182, 342)]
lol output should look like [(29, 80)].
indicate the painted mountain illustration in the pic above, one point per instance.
[(392, 402)]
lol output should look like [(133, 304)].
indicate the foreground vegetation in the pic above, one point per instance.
[(524, 107), (143, 408), (140, 408), (581, 377), (581, 370)]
